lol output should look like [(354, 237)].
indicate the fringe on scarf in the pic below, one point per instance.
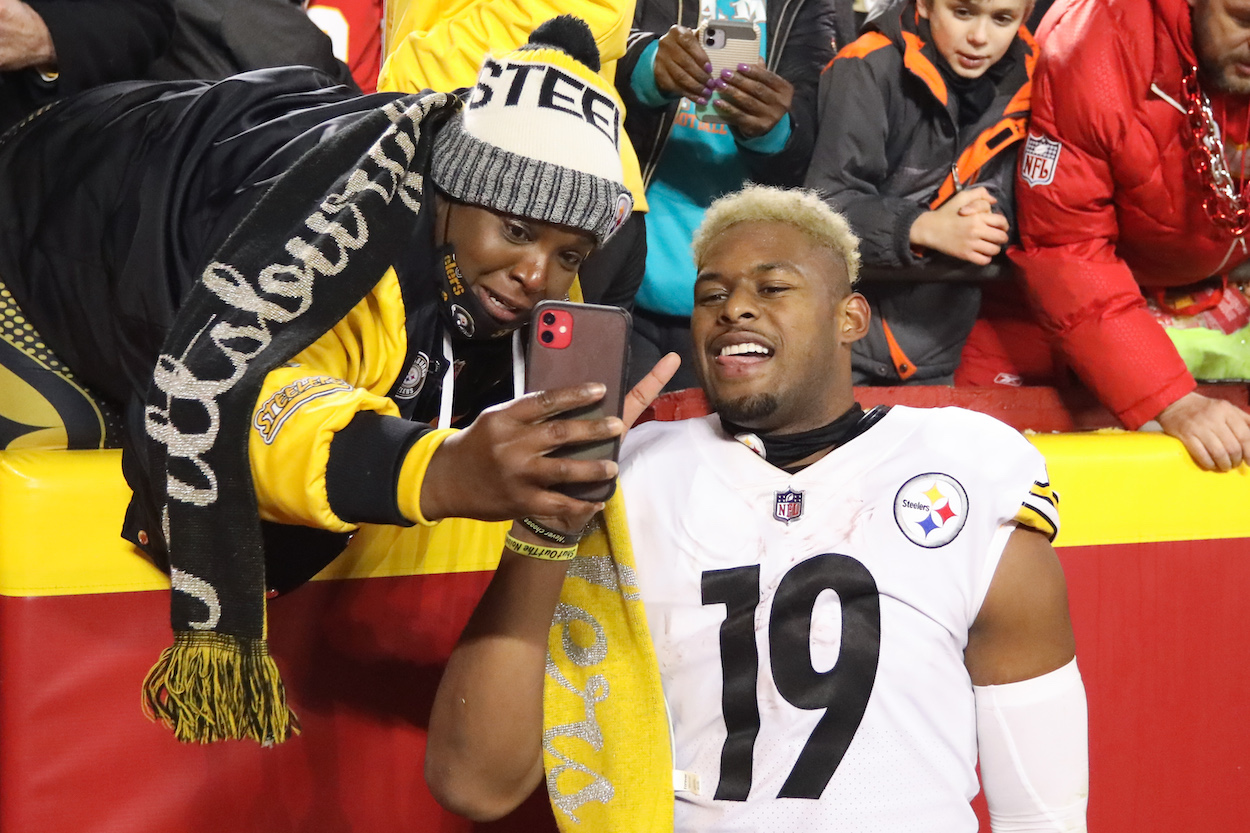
[(208, 687)]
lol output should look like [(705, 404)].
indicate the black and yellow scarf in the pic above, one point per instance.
[(313, 246)]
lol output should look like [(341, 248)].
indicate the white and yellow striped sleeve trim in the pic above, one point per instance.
[(1040, 510)]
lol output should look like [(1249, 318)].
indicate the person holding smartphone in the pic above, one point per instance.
[(795, 614), (700, 135), (296, 296)]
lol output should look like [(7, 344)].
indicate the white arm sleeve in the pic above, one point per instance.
[(1033, 741)]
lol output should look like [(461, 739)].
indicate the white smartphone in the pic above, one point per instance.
[(727, 43)]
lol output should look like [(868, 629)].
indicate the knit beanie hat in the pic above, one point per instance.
[(540, 135)]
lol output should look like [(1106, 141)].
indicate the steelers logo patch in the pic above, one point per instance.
[(931, 509), (415, 379), (752, 442), (624, 204)]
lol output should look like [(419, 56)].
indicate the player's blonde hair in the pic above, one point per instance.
[(795, 207)]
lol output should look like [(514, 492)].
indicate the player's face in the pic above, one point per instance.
[(511, 263), (773, 323), (973, 35), (1222, 41)]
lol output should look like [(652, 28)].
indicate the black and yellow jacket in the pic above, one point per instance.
[(117, 200), (890, 145), (278, 381)]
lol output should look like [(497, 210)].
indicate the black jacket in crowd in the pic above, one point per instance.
[(115, 199), (97, 41)]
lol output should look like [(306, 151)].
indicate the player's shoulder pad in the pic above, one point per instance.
[(966, 432), (661, 436)]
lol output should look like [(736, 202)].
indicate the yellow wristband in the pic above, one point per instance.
[(540, 552)]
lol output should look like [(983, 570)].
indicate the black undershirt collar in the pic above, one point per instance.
[(785, 450)]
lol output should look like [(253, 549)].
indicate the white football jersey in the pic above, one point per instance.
[(810, 627)]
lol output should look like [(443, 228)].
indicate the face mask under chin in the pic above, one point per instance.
[(461, 309)]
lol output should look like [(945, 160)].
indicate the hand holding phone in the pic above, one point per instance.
[(754, 100), (729, 43), (681, 65), (499, 468), (572, 344)]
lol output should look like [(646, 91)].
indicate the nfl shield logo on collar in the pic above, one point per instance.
[(1041, 157), (788, 506)]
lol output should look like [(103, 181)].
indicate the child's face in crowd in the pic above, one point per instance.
[(973, 35)]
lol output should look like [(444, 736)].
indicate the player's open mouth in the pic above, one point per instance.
[(749, 348), (738, 353)]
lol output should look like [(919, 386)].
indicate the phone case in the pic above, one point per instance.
[(741, 46), (597, 350)]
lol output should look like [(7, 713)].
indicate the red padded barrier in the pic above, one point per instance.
[(361, 659), (1161, 634), (1161, 637)]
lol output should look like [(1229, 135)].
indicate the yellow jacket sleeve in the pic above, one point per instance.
[(335, 389), (440, 46)]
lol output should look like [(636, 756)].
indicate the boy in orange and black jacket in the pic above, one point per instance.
[(920, 121)]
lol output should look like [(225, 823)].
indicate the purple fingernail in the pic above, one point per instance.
[(726, 73), (701, 101), (743, 67), (720, 85), (707, 67)]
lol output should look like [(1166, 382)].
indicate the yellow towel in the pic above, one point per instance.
[(606, 746)]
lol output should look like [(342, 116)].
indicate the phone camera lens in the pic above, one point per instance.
[(710, 41), (546, 336), (549, 318)]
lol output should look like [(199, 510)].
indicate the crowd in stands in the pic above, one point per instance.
[(938, 130), (917, 133)]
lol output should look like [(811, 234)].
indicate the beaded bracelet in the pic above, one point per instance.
[(540, 552), (562, 539)]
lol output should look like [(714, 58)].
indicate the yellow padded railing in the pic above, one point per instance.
[(61, 513), (61, 516)]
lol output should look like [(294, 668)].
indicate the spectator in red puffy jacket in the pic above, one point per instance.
[(1111, 203)]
